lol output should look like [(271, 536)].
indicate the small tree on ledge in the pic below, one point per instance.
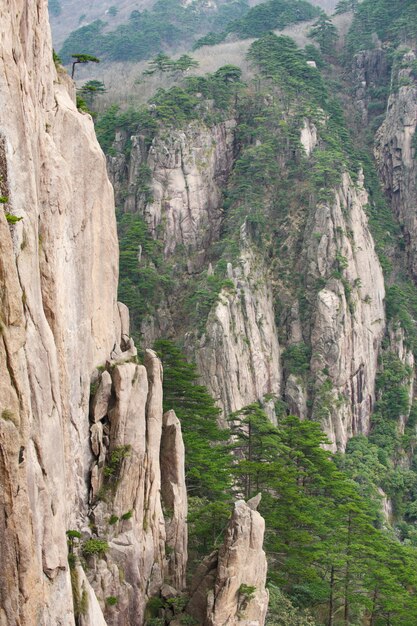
[(82, 58)]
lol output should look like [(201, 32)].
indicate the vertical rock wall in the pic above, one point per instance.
[(189, 169), (238, 355), (58, 307), (348, 313), (59, 321), (396, 152)]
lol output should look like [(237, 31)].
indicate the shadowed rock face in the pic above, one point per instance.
[(395, 152)]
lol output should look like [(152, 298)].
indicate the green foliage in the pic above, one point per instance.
[(247, 591), (82, 104), (282, 612), (112, 600), (94, 547), (144, 275), (173, 107), (153, 605), (56, 59), (394, 22), (168, 25), (207, 469), (90, 90), (83, 59), (401, 308), (73, 534), (270, 15), (207, 463), (207, 520), (163, 63), (343, 6), (131, 121), (324, 536), (113, 519), (392, 387), (325, 33), (126, 515), (297, 359), (12, 219), (115, 461)]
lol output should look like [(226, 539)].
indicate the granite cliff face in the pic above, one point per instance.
[(59, 314), (188, 170), (66, 354), (238, 353), (229, 586), (348, 321)]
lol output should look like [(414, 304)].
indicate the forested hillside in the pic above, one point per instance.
[(267, 233)]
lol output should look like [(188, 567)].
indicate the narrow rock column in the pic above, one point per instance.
[(231, 591), (174, 498)]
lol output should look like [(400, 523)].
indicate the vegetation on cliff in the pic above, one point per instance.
[(341, 529)]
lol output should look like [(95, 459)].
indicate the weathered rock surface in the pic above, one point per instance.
[(128, 493), (174, 498), (189, 168), (396, 155), (238, 356), (58, 301), (229, 587), (369, 71), (59, 321), (348, 320)]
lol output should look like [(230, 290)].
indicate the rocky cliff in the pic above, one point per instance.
[(92, 472), (237, 352), (59, 314), (229, 586), (395, 151), (348, 321), (188, 170)]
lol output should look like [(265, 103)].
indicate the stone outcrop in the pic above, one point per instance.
[(59, 321), (59, 317), (238, 355), (174, 499), (396, 154), (369, 72), (229, 586), (348, 312), (188, 170), (126, 506)]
